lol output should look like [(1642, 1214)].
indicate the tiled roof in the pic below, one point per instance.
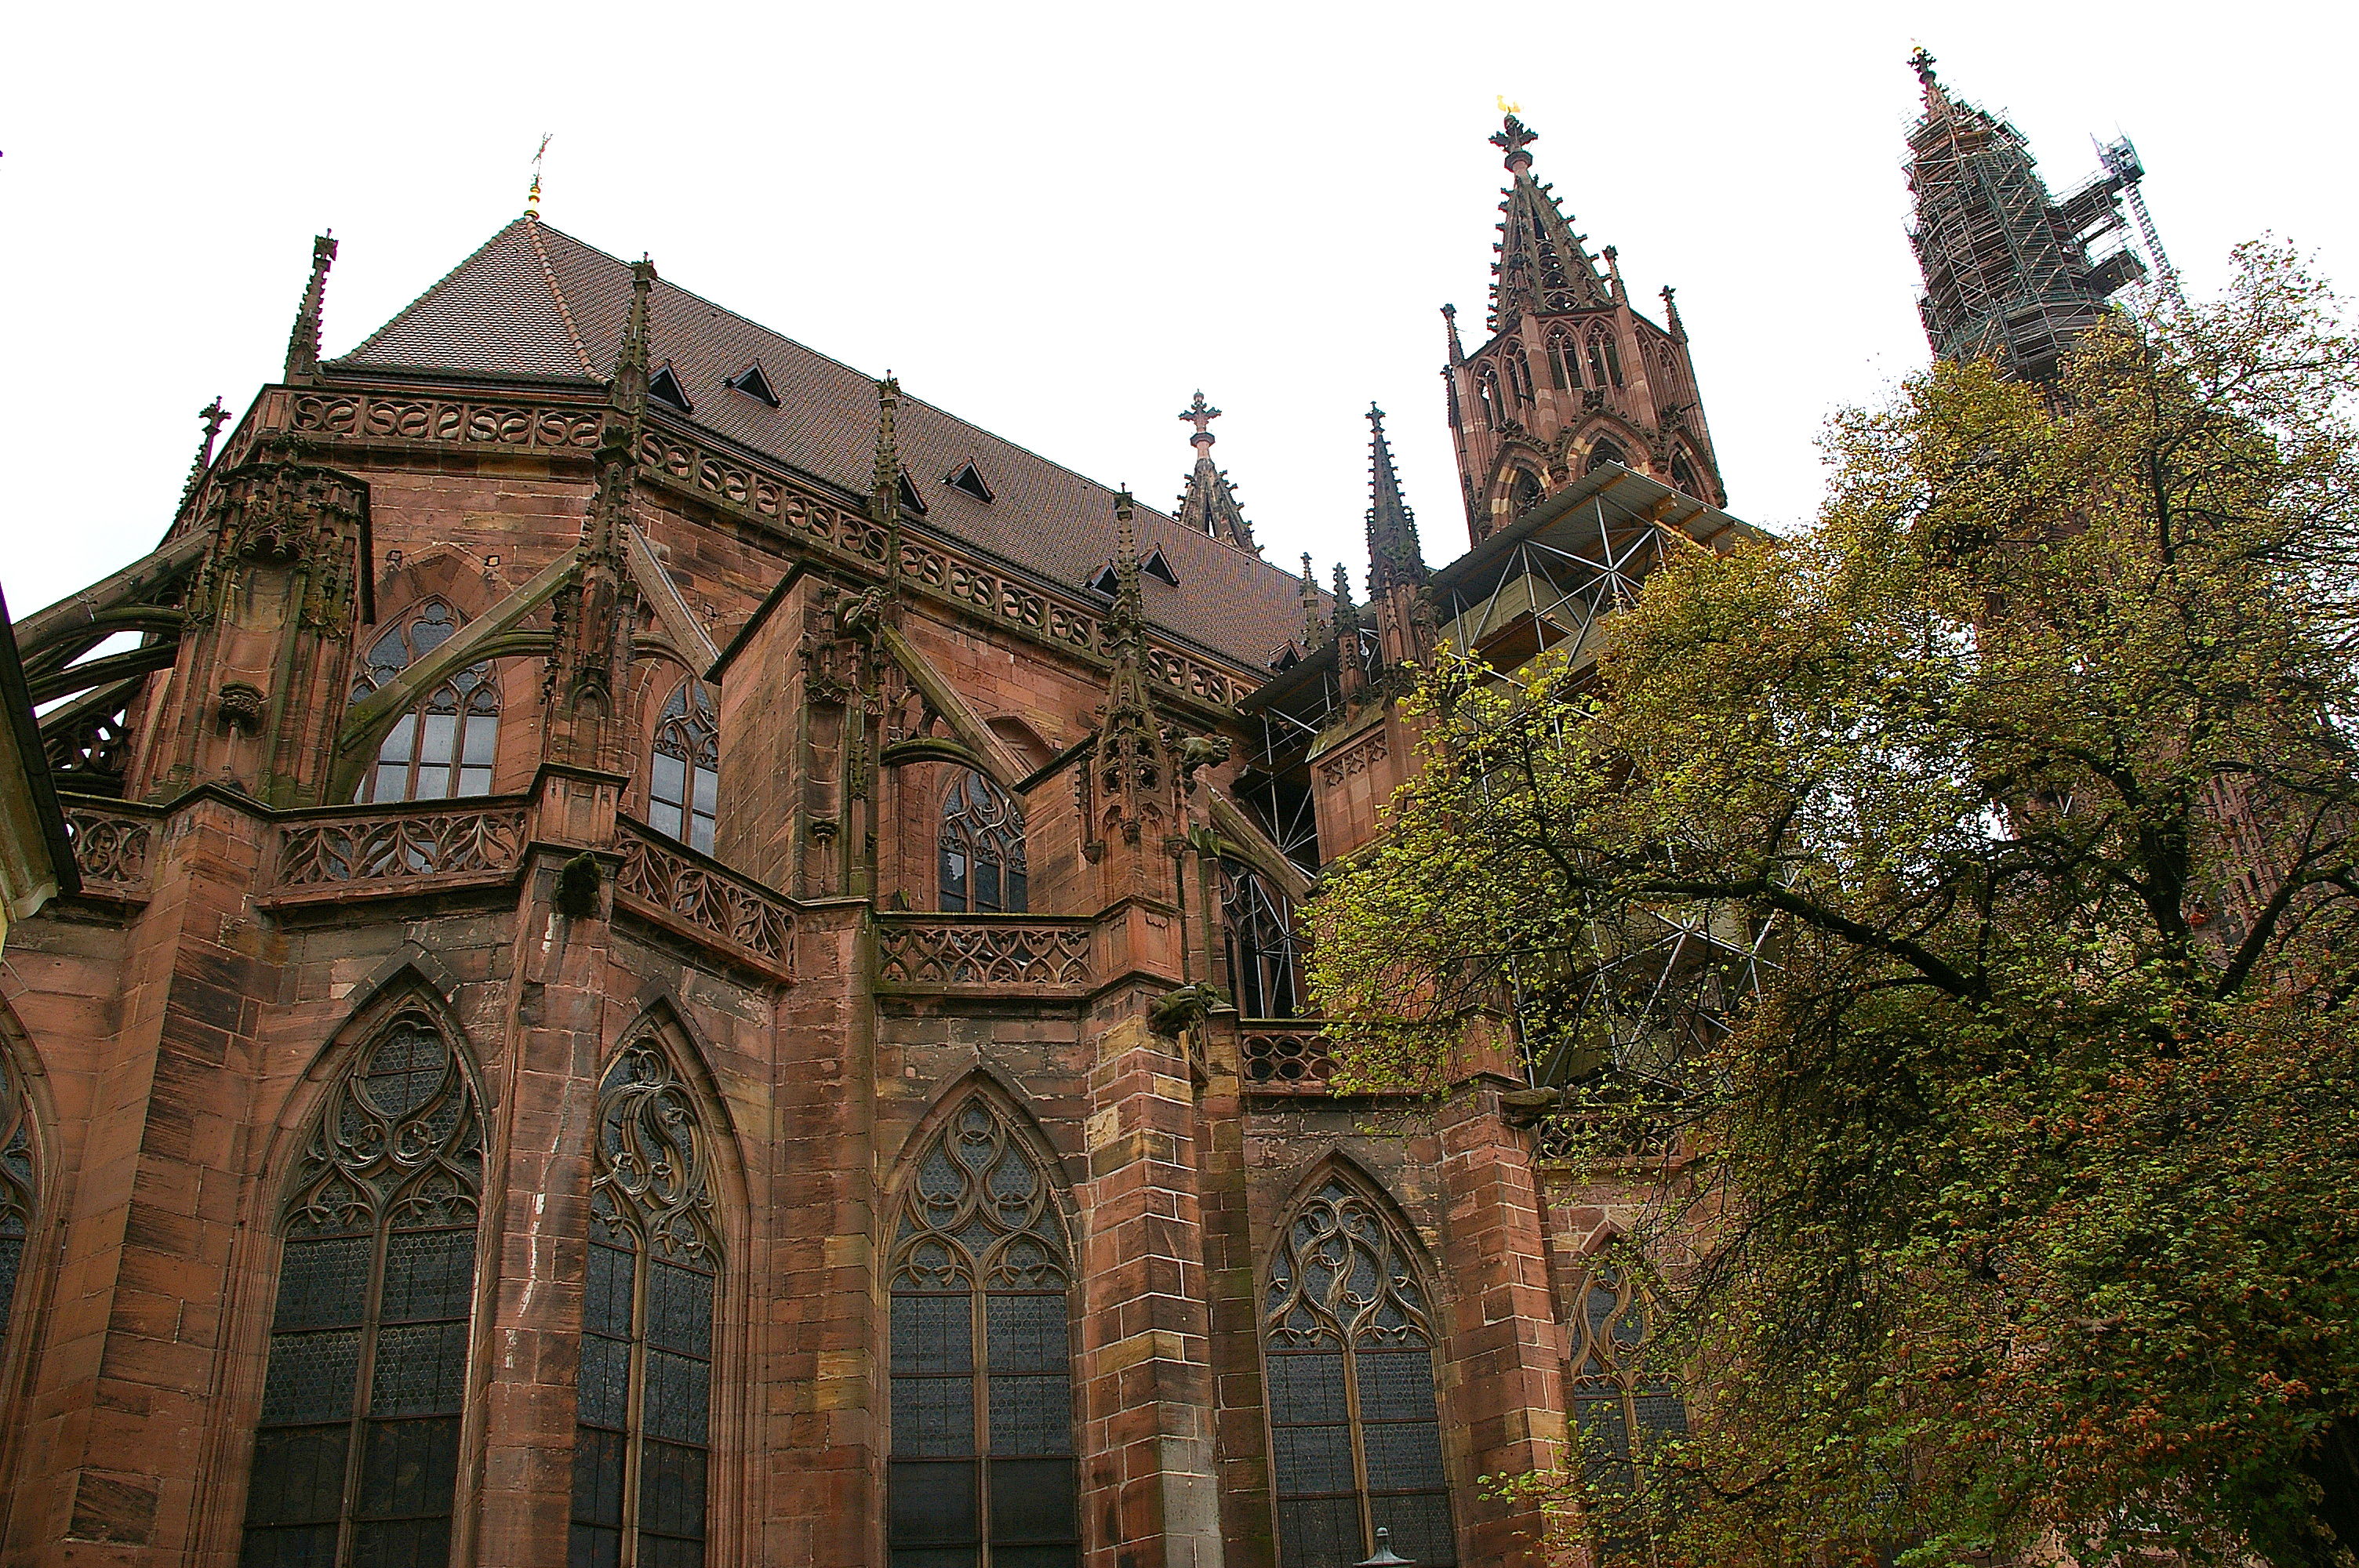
[(536, 303)]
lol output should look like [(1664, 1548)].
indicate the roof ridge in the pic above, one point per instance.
[(556, 292), (545, 227), (427, 292)]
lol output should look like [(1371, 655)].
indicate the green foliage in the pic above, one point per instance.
[(2018, 1208)]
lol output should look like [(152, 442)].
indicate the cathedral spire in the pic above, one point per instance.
[(1209, 503), (303, 343), (1543, 266), (1393, 553)]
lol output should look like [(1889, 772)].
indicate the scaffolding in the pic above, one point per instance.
[(2011, 273)]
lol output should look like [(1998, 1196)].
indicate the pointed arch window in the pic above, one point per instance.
[(1525, 492), (1683, 475), (642, 1443), (1623, 1408), (684, 773), (1265, 953), (1347, 1350), (1602, 452), (1604, 358), (982, 849), (20, 1186), (1564, 362), (444, 746), (1519, 370), (355, 1458), (983, 1470)]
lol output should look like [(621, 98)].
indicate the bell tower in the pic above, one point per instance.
[(1570, 377)]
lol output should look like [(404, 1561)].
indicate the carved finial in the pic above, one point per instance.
[(1512, 138), (215, 416), (1127, 620), (1199, 414), (1450, 328), (1614, 270), (532, 197), (303, 343), (1307, 596), (1671, 313), (1921, 61), (631, 355)]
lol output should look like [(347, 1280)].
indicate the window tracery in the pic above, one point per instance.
[(1602, 451), (983, 1470), (445, 745), (355, 1457), (1683, 475), (20, 1186), (642, 1440), (1347, 1348), (1265, 953), (982, 844), (1620, 1407), (684, 772)]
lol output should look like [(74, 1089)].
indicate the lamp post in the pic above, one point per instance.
[(1382, 1557)]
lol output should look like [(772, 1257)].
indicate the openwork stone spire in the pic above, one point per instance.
[(1209, 505), (1543, 266), (303, 343), (1393, 553)]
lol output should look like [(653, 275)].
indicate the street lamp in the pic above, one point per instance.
[(1384, 1557)]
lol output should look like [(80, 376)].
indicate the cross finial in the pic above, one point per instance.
[(532, 197), (1512, 138), (1199, 414), (215, 416), (1921, 61)]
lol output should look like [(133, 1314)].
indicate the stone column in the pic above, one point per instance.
[(1505, 1348), (1149, 1497)]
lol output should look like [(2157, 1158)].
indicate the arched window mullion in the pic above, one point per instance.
[(355, 1454), (983, 869), (982, 1468), (643, 1434), (1347, 1351), (19, 1189), (684, 768), (446, 745)]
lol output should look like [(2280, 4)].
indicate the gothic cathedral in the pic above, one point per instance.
[(684, 960)]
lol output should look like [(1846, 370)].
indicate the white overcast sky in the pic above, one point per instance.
[(1058, 222)]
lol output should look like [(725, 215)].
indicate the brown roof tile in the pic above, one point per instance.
[(537, 303)]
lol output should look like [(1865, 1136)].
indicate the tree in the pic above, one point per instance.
[(1967, 890)]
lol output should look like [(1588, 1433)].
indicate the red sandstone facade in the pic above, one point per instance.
[(586, 508)]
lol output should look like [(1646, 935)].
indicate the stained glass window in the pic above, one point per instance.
[(1265, 955), (983, 849), (642, 1446), (444, 746), (356, 1454), (18, 1184), (983, 1472), (1622, 1407), (1347, 1349), (684, 782)]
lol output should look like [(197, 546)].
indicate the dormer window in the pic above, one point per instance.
[(664, 387), (1156, 566), (910, 500), (1105, 582), (753, 383), (969, 479)]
